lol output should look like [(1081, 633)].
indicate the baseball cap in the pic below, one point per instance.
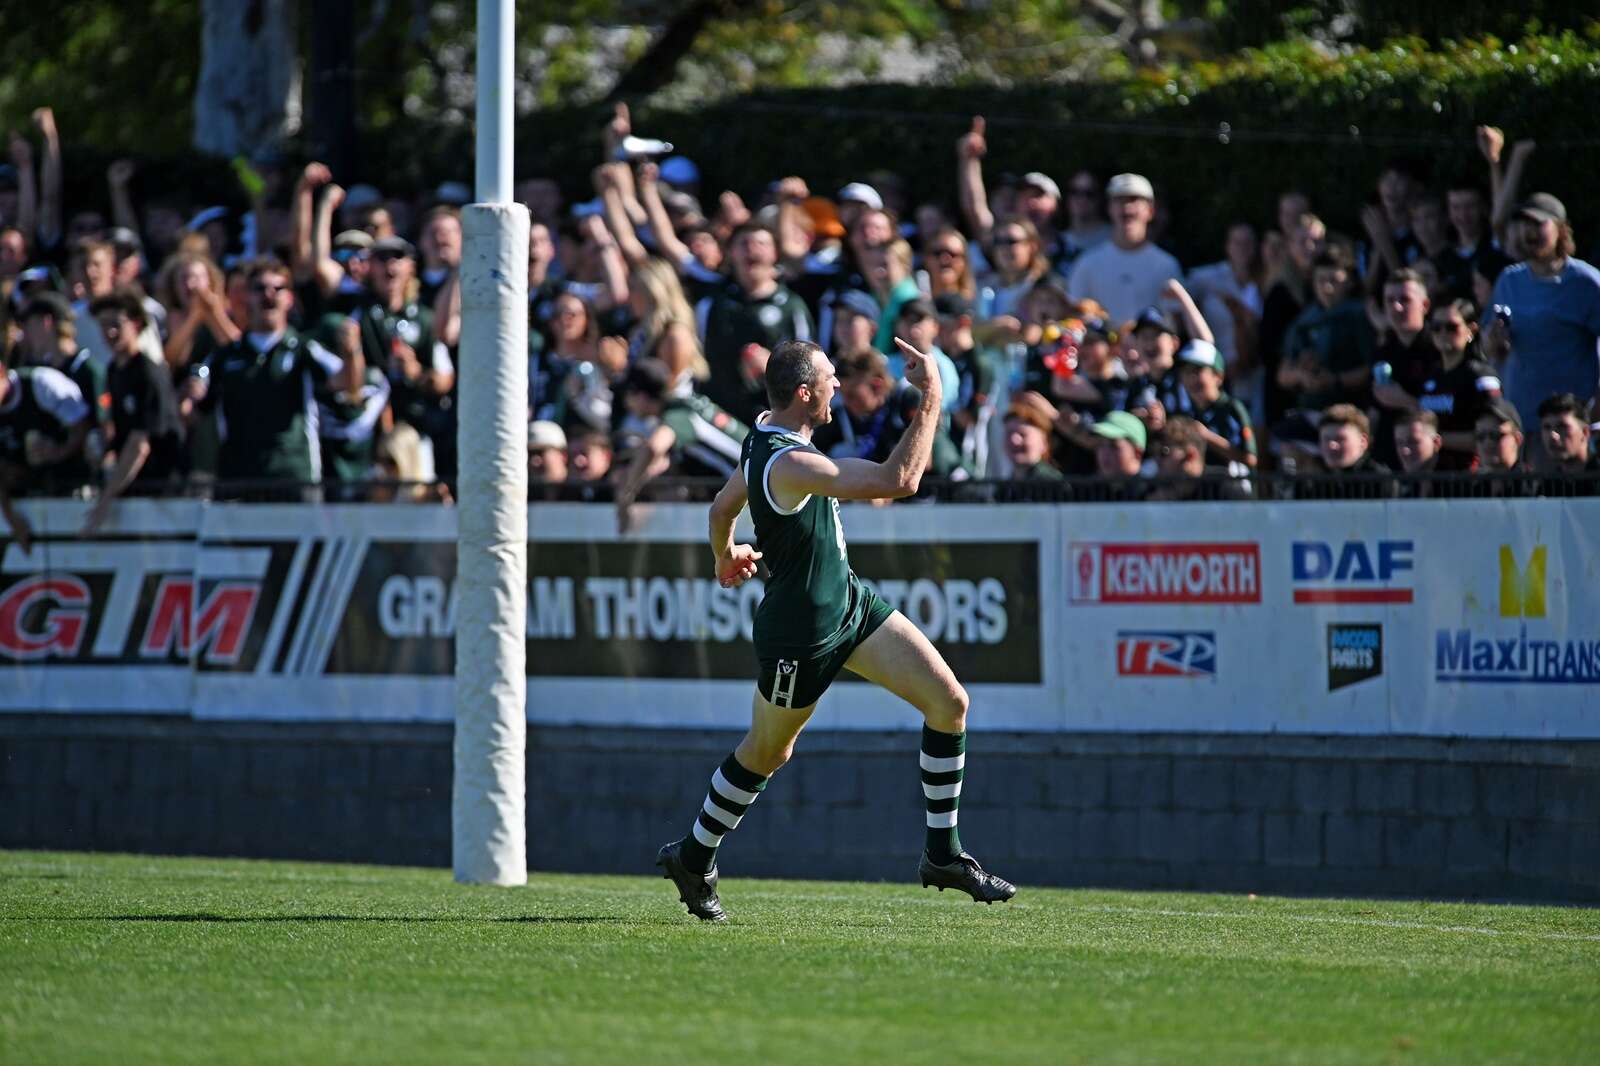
[(1032, 408), (858, 303), (1043, 182), (124, 240), (354, 240), (543, 434), (1120, 425), (1542, 207), (679, 170), (1135, 185), (1202, 353), (1155, 317), (454, 193), (1097, 328), (394, 246), (954, 305), (824, 217), (53, 304), (860, 193), (1501, 410)]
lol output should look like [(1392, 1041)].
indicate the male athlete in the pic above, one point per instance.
[(817, 617)]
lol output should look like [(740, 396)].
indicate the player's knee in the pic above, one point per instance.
[(949, 712)]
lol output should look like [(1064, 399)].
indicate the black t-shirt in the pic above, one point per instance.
[(1457, 396), (142, 398), (1411, 364)]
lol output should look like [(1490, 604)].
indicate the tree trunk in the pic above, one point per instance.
[(247, 99)]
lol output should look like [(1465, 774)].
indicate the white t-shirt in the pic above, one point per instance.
[(1124, 282), (1208, 285)]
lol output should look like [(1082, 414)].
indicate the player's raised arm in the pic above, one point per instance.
[(800, 473), (736, 563)]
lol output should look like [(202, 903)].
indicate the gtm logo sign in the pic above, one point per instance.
[(1354, 571), (1166, 654)]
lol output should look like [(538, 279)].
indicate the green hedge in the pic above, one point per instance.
[(1220, 139)]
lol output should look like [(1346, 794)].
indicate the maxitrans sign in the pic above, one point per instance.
[(1468, 657)]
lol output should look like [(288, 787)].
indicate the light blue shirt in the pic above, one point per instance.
[(1555, 334)]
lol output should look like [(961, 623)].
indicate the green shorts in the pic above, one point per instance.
[(791, 678)]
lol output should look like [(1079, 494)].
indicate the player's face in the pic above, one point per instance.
[(821, 409)]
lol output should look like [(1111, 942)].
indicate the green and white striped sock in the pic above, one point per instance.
[(733, 790), (944, 760)]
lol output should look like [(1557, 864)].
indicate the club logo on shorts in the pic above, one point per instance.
[(783, 685)]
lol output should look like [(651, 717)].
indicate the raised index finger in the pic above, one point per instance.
[(978, 125), (909, 350)]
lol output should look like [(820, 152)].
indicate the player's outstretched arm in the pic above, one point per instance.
[(736, 563)]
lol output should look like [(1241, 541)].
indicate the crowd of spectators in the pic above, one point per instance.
[(306, 348)]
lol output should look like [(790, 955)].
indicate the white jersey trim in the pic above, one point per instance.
[(766, 483)]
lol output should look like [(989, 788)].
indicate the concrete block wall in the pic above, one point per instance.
[(1321, 815)]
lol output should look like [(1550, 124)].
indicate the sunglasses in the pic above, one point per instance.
[(949, 253)]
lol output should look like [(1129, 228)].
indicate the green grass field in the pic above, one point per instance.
[(122, 959)]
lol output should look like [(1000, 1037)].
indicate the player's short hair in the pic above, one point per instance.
[(790, 366)]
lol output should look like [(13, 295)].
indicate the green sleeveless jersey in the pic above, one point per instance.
[(811, 591)]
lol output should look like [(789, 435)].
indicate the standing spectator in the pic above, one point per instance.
[(441, 250), (1454, 384), (947, 267), (1019, 264), (1086, 220), (978, 379), (1392, 244), (263, 386), (1405, 357), (1327, 354), (352, 410), (919, 324), (887, 268), (587, 363), (855, 322), (1028, 423), (398, 336), (49, 338), (1229, 295), (1564, 425), (1127, 272), (664, 320), (1288, 293), (148, 442), (44, 424), (753, 312), (1469, 222), (1221, 422), (1553, 300), (191, 288)]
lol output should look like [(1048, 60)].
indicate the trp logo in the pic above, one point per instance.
[(1522, 591), (1166, 654)]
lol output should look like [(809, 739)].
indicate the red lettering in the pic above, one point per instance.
[(60, 632), (219, 630)]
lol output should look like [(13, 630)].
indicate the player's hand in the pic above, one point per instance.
[(920, 371), (736, 566)]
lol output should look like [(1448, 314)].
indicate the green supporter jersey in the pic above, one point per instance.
[(412, 325), (348, 425), (266, 407), (708, 441), (810, 588), (731, 319)]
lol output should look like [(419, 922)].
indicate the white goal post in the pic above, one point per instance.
[(488, 799)]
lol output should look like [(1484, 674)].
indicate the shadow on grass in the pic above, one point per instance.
[(243, 919)]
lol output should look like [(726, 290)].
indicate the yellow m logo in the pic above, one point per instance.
[(1522, 592)]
